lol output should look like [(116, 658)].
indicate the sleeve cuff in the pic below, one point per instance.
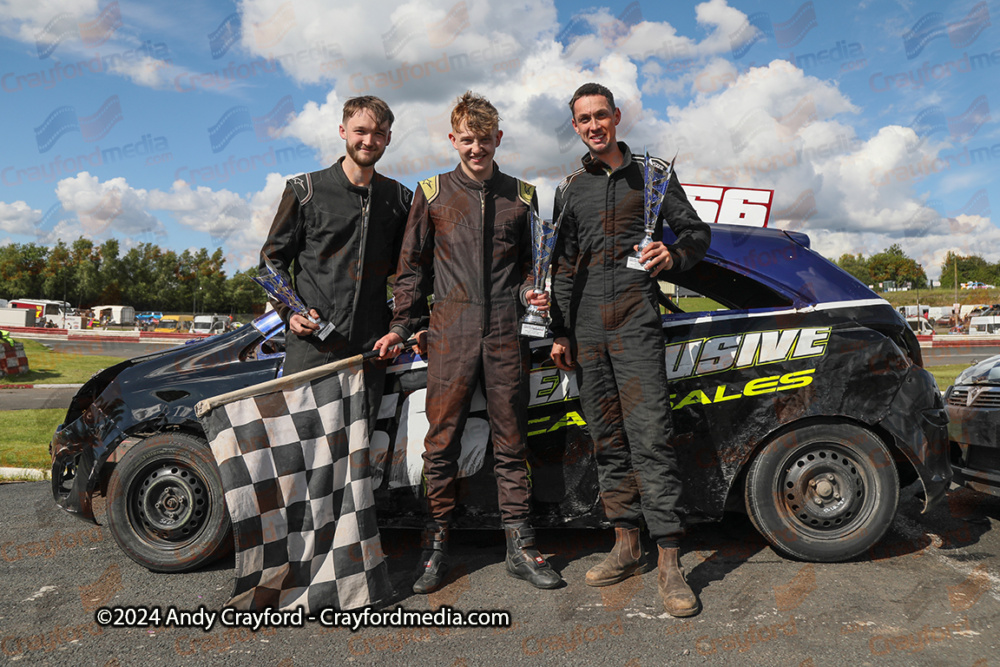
[(401, 331)]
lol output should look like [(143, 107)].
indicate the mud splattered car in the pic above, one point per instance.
[(798, 395), (974, 428)]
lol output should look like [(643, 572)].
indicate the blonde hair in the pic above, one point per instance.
[(476, 112)]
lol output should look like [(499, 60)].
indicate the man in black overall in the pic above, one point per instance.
[(609, 314)]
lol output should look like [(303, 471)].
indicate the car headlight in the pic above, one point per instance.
[(987, 371)]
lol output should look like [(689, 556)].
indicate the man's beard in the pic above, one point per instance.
[(356, 156)]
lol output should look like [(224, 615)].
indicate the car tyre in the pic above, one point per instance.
[(166, 505), (824, 493)]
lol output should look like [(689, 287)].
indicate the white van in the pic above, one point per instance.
[(987, 322), (124, 315), (209, 324), (920, 325)]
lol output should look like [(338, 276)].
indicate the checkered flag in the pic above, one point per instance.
[(293, 455)]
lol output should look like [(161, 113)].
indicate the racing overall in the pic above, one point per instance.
[(342, 242), (611, 315), (469, 244)]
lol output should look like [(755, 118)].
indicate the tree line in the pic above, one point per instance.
[(146, 277), (893, 264), (958, 269), (150, 278)]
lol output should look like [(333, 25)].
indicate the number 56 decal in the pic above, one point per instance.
[(737, 206)]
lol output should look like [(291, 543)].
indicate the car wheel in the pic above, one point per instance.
[(166, 507), (824, 493)]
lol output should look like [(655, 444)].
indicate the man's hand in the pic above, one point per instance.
[(655, 257), (301, 325), (561, 355), (420, 343), (388, 346), (539, 300)]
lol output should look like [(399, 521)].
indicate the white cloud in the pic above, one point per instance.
[(774, 127), (18, 218), (147, 71), (965, 235), (76, 30), (106, 208), (766, 127), (431, 52), (442, 45), (318, 126), (244, 247), (27, 21), (237, 223), (727, 22)]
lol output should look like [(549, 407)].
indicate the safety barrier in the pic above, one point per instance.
[(15, 361)]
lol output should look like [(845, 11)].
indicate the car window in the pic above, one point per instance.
[(708, 287)]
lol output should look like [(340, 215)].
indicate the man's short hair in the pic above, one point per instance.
[(377, 107), (481, 117), (592, 89)]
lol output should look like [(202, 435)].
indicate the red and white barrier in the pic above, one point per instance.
[(14, 361)]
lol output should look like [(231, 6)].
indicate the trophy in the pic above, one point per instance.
[(535, 323), (653, 195), (275, 285)]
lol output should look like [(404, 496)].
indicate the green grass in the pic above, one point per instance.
[(48, 367), (941, 296), (25, 436), (945, 375), (698, 304)]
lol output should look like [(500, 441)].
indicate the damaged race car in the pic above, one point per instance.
[(798, 395), (974, 426)]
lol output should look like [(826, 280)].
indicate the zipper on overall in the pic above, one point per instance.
[(366, 203), (487, 261)]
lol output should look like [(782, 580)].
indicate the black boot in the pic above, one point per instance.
[(433, 564), (524, 561)]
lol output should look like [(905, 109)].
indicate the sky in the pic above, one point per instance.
[(178, 124)]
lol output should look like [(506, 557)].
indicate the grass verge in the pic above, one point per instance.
[(48, 367), (25, 436), (941, 296), (945, 375)]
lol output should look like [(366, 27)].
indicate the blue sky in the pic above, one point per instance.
[(178, 124)]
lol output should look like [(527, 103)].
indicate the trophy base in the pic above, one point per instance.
[(325, 329), (534, 330), (634, 263)]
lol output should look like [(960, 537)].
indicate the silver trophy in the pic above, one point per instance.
[(535, 323), (277, 286), (653, 195)]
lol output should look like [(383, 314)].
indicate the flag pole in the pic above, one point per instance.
[(207, 405)]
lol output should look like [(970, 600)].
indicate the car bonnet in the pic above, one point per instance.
[(985, 372), (783, 261)]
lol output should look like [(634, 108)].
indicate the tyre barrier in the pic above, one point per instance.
[(15, 361)]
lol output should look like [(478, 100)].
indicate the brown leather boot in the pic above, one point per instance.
[(626, 558), (678, 598)]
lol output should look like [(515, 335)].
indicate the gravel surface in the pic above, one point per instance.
[(928, 594)]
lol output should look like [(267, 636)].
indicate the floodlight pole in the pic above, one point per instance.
[(955, 262)]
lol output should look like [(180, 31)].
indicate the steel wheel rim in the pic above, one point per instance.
[(824, 491), (169, 504)]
